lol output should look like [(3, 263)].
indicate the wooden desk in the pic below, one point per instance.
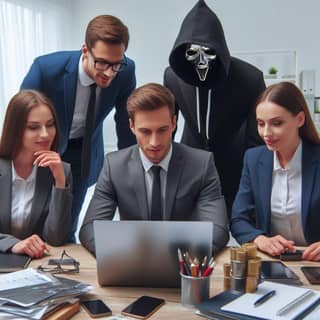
[(119, 297)]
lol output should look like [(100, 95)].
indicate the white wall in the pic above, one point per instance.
[(248, 24)]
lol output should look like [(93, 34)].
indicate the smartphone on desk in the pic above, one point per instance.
[(143, 307), (312, 274), (96, 308), (291, 256)]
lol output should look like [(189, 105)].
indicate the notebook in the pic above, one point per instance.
[(292, 300), (10, 262), (144, 253)]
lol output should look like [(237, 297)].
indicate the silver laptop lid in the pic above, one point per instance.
[(144, 253)]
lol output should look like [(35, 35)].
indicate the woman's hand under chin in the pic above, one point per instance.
[(52, 160)]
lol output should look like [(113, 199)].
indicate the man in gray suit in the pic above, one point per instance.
[(131, 179)]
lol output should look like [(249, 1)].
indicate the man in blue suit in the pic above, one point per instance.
[(84, 87)]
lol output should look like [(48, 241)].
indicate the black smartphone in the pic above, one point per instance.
[(312, 274), (96, 308), (143, 307), (279, 272), (291, 256)]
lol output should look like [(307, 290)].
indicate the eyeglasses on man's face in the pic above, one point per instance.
[(104, 65), (65, 264)]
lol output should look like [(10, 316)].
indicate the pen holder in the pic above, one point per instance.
[(194, 290)]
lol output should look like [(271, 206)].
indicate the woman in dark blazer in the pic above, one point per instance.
[(278, 202), (35, 184)]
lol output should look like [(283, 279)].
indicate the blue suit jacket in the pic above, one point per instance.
[(56, 75), (251, 209)]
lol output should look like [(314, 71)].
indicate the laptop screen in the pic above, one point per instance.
[(144, 253)]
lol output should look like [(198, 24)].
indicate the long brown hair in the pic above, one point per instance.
[(289, 97), (15, 122)]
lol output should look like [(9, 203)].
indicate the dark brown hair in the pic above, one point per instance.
[(15, 122), (108, 29), (151, 96), (289, 97)]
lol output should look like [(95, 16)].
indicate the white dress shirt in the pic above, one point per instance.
[(164, 164), (81, 103), (21, 200), (286, 198)]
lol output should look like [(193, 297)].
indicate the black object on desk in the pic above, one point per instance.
[(277, 271), (312, 274), (212, 307), (10, 262), (291, 256)]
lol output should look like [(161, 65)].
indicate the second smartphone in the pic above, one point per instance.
[(143, 307), (96, 308)]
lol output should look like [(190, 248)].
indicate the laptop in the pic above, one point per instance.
[(144, 253)]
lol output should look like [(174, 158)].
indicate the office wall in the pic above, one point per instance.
[(249, 25)]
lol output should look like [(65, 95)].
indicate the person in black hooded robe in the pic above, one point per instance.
[(215, 93)]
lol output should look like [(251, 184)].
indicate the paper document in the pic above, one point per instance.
[(285, 294), (23, 278)]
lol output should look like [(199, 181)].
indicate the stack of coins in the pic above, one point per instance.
[(243, 273)]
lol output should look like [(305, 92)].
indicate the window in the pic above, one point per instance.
[(28, 28)]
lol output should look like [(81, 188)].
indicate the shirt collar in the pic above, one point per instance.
[(84, 79), (164, 163), (16, 177), (294, 163)]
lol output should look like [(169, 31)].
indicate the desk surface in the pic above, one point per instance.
[(119, 297)]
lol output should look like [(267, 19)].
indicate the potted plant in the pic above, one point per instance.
[(272, 72)]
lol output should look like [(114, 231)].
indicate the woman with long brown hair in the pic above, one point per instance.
[(278, 202), (35, 184)]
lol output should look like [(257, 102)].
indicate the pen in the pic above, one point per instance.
[(181, 262), (264, 298), (186, 265), (209, 269), (307, 310), (203, 265), (188, 258), (294, 302)]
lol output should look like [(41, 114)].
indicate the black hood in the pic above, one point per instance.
[(201, 26)]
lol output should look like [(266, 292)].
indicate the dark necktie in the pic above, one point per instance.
[(86, 144), (156, 207)]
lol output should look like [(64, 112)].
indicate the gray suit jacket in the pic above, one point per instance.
[(192, 193), (50, 216)]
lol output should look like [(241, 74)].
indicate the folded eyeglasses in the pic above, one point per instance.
[(64, 264)]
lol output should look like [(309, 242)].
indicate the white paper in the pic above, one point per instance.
[(23, 278), (268, 310)]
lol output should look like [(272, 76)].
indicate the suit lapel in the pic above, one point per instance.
[(70, 88), (136, 174), (264, 183), (176, 167), (309, 171), (5, 195), (41, 193)]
